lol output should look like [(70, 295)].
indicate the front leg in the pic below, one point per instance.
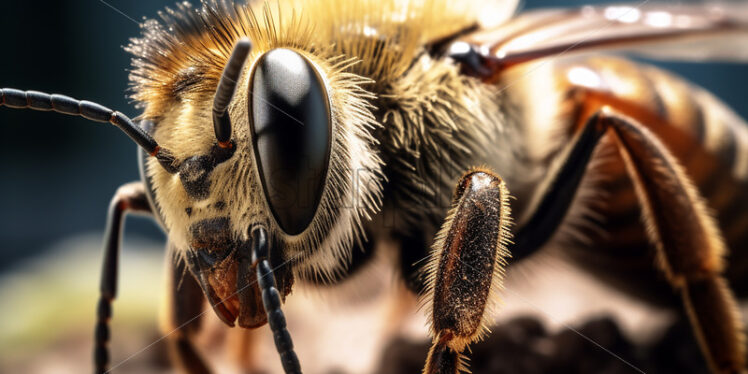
[(466, 268), (182, 317), (130, 197)]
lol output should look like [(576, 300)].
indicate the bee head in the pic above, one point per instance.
[(274, 130), (281, 141)]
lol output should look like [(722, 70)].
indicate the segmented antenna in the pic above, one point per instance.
[(225, 91), (272, 302), (35, 100)]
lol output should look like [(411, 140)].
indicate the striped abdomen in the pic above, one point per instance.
[(708, 138)]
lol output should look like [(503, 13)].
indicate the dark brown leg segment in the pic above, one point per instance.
[(185, 302), (466, 268), (690, 247), (128, 198)]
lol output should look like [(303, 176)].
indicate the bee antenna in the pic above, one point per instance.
[(271, 300), (225, 91), (35, 100)]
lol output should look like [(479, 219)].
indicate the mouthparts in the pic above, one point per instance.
[(231, 285)]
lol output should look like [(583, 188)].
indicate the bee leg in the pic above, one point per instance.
[(130, 197), (466, 268), (184, 306), (690, 249)]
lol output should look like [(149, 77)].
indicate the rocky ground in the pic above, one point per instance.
[(524, 346)]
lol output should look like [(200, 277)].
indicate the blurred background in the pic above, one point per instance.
[(58, 173)]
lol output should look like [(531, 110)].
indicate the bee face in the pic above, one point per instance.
[(287, 137), (299, 157), (279, 159), (300, 164)]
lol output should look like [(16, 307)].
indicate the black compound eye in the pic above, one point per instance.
[(292, 131)]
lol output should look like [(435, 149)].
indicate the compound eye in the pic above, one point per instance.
[(292, 132)]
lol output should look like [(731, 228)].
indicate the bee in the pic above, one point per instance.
[(280, 142)]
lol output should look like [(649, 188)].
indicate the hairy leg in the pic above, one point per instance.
[(466, 268), (182, 316), (128, 198), (690, 249)]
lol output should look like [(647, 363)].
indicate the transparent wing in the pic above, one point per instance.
[(688, 31)]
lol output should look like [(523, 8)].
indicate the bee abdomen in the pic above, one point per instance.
[(683, 115), (709, 122), (708, 139)]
